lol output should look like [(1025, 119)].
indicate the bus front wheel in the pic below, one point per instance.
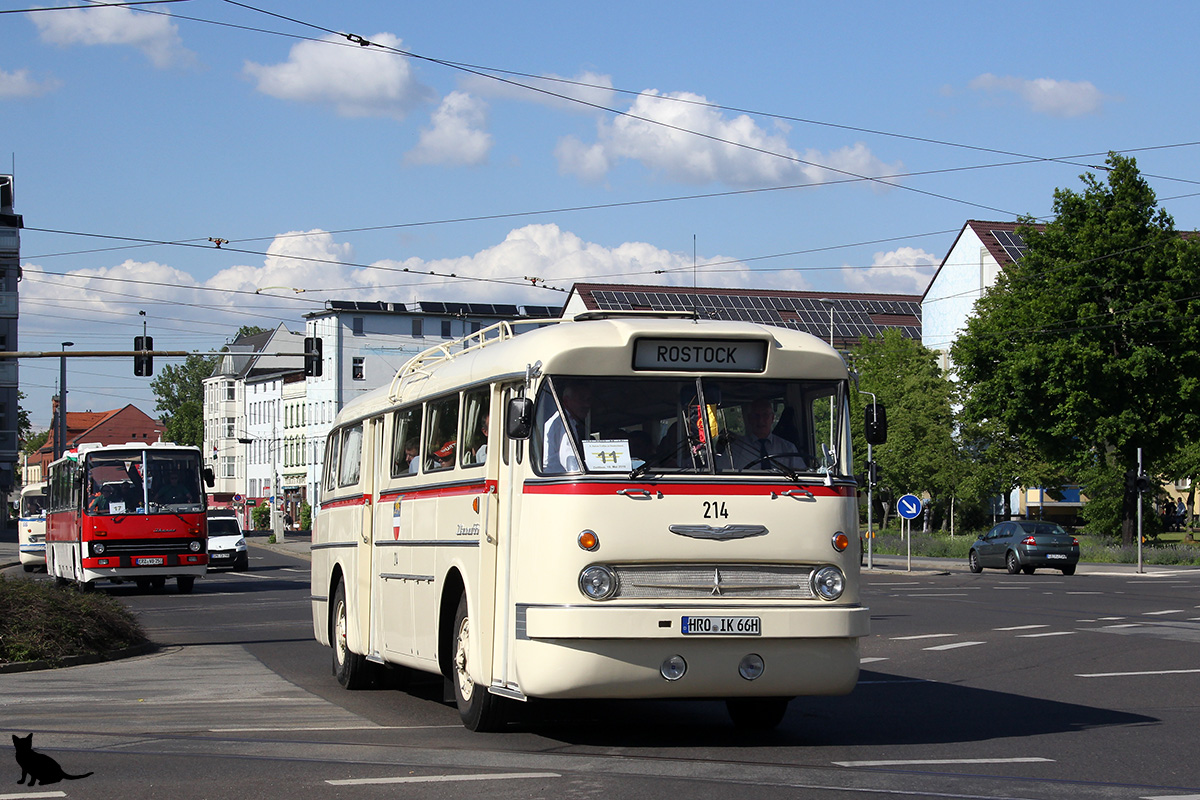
[(349, 667), (186, 583), (480, 709)]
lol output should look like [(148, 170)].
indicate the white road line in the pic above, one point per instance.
[(1011, 588), (940, 594), (1048, 633), (923, 636), (1136, 674), (1114, 619), (1021, 628), (24, 795), (870, 660), (934, 761), (954, 645), (1085, 592), (495, 776), (1172, 797), (1160, 613), (332, 728), (1126, 625)]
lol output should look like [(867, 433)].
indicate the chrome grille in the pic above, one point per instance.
[(729, 581), (139, 546)]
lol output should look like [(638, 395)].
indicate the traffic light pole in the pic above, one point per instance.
[(1139, 502)]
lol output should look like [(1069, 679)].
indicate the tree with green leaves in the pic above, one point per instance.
[(1088, 347), (920, 455), (179, 390)]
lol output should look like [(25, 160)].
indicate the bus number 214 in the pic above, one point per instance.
[(715, 509)]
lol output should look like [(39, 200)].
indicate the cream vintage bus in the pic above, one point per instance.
[(619, 506)]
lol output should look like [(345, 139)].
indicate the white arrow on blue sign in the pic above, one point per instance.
[(909, 506)]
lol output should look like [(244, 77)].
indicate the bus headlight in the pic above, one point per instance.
[(828, 583), (98, 548), (597, 583), (194, 545)]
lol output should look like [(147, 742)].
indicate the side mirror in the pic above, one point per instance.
[(518, 418), (209, 477), (876, 424)]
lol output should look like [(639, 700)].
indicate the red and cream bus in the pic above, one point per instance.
[(130, 512), (619, 506)]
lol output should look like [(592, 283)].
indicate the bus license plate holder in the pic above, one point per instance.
[(720, 626), (151, 561)]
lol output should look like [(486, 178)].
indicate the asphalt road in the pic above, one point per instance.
[(973, 686)]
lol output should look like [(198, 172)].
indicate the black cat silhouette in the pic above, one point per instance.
[(37, 766)]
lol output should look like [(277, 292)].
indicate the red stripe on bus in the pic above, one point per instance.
[(349, 502), (742, 489), (438, 491)]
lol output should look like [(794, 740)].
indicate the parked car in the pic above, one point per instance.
[(1025, 545), (226, 544)]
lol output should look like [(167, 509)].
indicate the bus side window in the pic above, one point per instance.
[(441, 442), (406, 442), (332, 449), (351, 458), (476, 423)]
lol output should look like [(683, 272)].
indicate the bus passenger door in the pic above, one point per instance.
[(368, 583), (497, 566)]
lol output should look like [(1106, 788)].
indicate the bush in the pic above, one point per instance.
[(41, 622)]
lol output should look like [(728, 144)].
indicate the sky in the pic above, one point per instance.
[(201, 161)]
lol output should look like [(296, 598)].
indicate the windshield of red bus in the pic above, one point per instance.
[(143, 481), (646, 426)]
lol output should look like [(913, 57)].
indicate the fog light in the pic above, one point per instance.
[(194, 545), (829, 583), (673, 668), (103, 562), (751, 667), (597, 582)]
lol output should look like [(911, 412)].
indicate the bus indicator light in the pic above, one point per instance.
[(589, 541)]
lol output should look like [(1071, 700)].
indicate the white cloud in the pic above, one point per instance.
[(906, 270), (153, 34), (661, 133), (1045, 95), (456, 135), (551, 90), (21, 84), (356, 81)]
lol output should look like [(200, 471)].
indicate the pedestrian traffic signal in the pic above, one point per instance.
[(313, 361), (143, 362), (873, 473)]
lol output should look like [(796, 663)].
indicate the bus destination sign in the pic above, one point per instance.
[(709, 355)]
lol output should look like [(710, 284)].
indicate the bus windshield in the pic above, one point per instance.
[(691, 425), (143, 481), (33, 505)]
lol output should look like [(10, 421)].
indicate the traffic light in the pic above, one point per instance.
[(876, 424), (1142, 483), (313, 361), (873, 472), (143, 363)]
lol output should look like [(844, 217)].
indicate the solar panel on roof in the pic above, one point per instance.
[(1013, 245)]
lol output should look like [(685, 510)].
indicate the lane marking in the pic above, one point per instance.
[(1085, 592), (1172, 797), (23, 795), (1021, 628), (940, 594), (923, 636), (1011, 588), (332, 728), (935, 761), (1136, 674), (1160, 613), (495, 776), (1048, 633), (870, 660), (1126, 625), (954, 645)]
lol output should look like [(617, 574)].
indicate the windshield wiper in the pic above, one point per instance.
[(639, 471), (772, 461)]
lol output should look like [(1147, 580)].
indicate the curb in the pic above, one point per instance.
[(81, 660)]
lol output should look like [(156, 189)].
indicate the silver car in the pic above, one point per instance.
[(1025, 545)]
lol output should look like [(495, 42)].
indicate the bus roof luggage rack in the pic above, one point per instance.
[(424, 363), (635, 314)]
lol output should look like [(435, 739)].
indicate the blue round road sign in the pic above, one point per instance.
[(909, 506)]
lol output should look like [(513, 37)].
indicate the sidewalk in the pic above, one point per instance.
[(295, 543)]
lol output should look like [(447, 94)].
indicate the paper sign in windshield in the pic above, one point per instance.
[(607, 455)]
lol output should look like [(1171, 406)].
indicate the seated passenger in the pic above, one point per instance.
[(751, 449)]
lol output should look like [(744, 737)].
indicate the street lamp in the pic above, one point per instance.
[(60, 436)]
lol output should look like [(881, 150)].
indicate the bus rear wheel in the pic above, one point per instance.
[(479, 709), (349, 667), (757, 713)]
